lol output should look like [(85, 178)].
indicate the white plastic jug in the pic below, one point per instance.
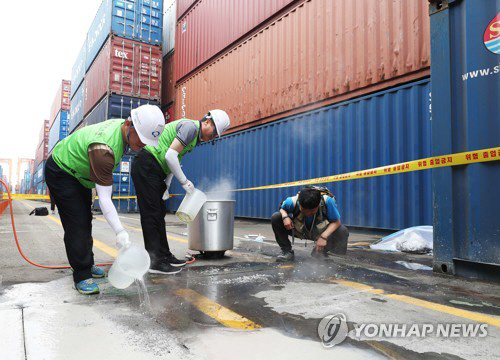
[(191, 205), (130, 264)]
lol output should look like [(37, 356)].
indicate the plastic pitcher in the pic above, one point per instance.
[(191, 205), (130, 264)]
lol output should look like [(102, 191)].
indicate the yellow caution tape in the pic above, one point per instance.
[(464, 158)]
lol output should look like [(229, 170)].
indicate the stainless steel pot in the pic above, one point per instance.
[(213, 228)]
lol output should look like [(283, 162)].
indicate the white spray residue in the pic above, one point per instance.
[(221, 190)]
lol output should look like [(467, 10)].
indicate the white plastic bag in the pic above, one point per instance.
[(417, 239)]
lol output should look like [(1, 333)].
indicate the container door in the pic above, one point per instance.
[(148, 71), (123, 18), (150, 21), (122, 66)]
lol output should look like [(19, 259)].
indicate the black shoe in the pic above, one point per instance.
[(172, 260), (163, 268), (285, 256)]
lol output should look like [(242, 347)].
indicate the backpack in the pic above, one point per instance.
[(40, 211)]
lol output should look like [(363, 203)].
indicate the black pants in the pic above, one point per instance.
[(52, 203), (149, 182), (73, 201), (336, 242)]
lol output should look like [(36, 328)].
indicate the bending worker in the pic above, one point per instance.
[(85, 160), (313, 216), (152, 172)]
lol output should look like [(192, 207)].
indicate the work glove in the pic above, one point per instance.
[(188, 186), (122, 239)]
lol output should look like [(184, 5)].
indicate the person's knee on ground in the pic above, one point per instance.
[(337, 242)]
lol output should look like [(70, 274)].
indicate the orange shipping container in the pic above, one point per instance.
[(320, 52), (199, 36)]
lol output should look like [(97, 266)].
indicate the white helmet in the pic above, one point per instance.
[(149, 122), (221, 120)]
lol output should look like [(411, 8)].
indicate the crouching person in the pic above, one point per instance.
[(310, 215)]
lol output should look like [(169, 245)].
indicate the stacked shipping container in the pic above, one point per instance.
[(319, 52), (280, 65), (41, 154), (123, 67), (120, 56), (59, 129), (77, 89), (59, 125)]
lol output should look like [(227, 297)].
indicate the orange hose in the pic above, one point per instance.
[(19, 246)]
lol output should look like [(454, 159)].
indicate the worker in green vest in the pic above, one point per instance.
[(152, 172), (84, 160)]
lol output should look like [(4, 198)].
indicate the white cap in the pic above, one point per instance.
[(221, 120), (149, 123)]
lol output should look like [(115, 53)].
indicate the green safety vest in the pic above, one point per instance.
[(71, 154), (166, 139)]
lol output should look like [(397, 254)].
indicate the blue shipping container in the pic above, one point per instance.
[(141, 20), (39, 174), (465, 48), (123, 186), (115, 107), (384, 128), (59, 129), (78, 70), (76, 109), (41, 188)]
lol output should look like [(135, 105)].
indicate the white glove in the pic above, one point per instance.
[(188, 186), (122, 239)]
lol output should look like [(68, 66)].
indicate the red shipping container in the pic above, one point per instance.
[(320, 52), (61, 101), (167, 81), (124, 67), (183, 5), (211, 26)]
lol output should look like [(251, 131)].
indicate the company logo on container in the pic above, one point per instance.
[(491, 36), (121, 54)]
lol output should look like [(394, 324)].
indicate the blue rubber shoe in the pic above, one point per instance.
[(87, 287), (97, 272)]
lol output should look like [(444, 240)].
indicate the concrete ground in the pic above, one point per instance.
[(243, 306)]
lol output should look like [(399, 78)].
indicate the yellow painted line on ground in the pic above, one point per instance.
[(359, 286), (135, 228), (98, 244), (471, 315), (218, 312), (466, 314)]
